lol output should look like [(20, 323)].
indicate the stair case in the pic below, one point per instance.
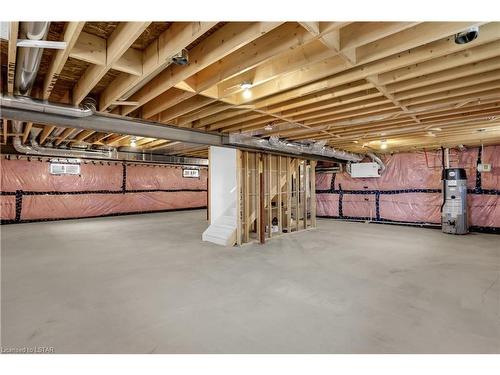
[(223, 230)]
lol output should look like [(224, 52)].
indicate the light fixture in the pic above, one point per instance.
[(268, 127), (247, 94), (431, 134), (181, 57), (383, 144), (467, 36), (133, 142), (245, 85)]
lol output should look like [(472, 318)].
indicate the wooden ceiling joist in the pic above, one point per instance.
[(63, 136), (350, 83), (218, 45), (450, 60), (408, 39), (184, 107), (11, 56), (462, 71), (27, 130), (118, 43), (45, 133), (71, 33), (210, 110), (155, 57)]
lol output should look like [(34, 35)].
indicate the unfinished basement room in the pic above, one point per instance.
[(250, 187)]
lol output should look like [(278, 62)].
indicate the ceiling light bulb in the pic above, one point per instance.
[(247, 94), (132, 142), (246, 85), (268, 127), (383, 144)]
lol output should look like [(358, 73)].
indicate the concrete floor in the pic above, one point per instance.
[(147, 284)]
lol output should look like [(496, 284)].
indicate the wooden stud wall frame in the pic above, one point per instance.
[(276, 196)]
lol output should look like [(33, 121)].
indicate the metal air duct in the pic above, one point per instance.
[(41, 112), (311, 148), (377, 160), (36, 149), (28, 58)]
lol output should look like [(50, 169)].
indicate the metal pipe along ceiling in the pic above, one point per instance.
[(28, 63), (28, 58), (36, 149), (27, 109)]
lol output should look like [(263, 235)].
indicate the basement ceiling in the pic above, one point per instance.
[(361, 86)]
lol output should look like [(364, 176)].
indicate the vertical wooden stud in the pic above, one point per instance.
[(313, 192), (279, 188), (261, 234)]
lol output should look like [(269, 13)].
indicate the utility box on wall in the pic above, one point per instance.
[(359, 170)]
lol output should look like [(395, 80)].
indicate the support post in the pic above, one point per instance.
[(280, 198), (262, 232), (313, 193)]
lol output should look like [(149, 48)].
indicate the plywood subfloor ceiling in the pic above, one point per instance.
[(383, 86)]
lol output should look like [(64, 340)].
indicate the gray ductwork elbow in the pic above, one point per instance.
[(377, 160)]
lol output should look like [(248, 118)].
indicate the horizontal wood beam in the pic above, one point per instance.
[(155, 58), (218, 45), (419, 35), (489, 32), (72, 32), (184, 107), (89, 48), (445, 75), (449, 60), (358, 34), (168, 99), (119, 41)]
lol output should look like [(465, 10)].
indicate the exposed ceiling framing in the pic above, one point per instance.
[(354, 84)]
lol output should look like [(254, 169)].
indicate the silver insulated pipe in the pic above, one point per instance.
[(35, 149), (28, 63), (276, 144), (28, 58)]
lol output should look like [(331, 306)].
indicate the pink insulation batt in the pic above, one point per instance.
[(101, 187), (410, 171)]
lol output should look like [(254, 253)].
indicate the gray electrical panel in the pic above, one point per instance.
[(454, 213)]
